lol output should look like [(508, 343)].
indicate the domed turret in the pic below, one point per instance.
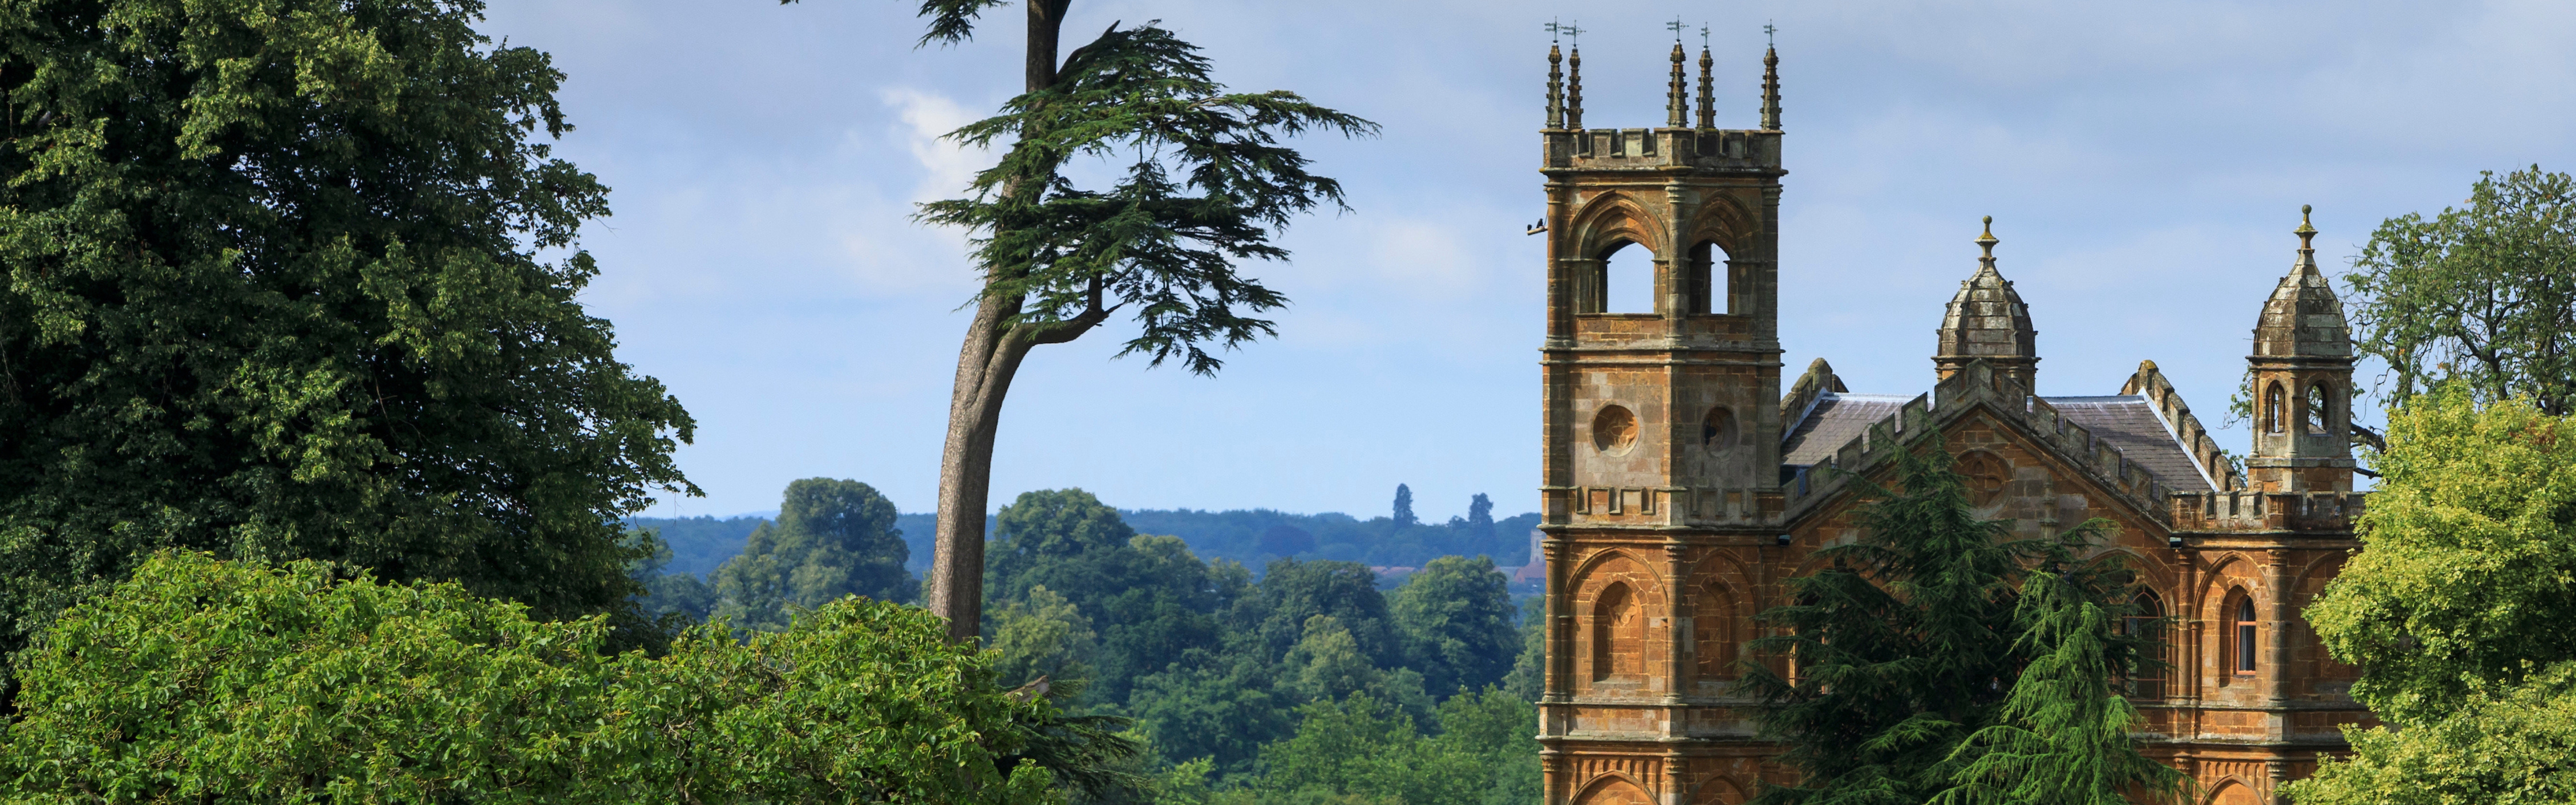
[(2302, 382), (1988, 320), (2303, 319)]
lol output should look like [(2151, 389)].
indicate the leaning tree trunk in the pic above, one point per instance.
[(994, 346)]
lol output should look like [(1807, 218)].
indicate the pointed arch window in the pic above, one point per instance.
[(1713, 638), (2146, 680), (2275, 416), (2247, 633), (1618, 634)]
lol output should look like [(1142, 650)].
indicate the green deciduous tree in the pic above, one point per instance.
[(293, 278), (1275, 613), (1365, 748), (2456, 609), (831, 539), (1912, 640), (208, 681), (1150, 600), (2468, 548), (1202, 184), (1044, 636), (1456, 619), (2484, 293), (2502, 745)]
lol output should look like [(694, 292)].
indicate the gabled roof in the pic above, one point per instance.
[(1978, 385)]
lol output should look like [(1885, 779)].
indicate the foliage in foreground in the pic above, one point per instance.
[(212, 681), (277, 288), (2456, 610), (2503, 745), (1911, 647)]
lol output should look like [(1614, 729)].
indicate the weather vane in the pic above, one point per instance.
[(1570, 30), (1770, 34), (1676, 27), (1703, 36)]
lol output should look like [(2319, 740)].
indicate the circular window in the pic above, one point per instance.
[(1985, 475), (1614, 430), (1717, 431)]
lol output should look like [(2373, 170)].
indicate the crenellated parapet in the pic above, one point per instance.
[(2150, 382), (1663, 149), (2249, 512)]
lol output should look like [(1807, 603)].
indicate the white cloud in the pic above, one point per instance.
[(925, 119)]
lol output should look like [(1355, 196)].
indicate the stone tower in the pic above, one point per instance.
[(1988, 320), (1662, 443), (2301, 372)]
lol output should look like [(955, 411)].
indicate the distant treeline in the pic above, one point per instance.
[(1252, 537)]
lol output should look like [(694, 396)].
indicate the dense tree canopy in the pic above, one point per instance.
[(2468, 549), (1458, 624), (1220, 671), (2456, 609), (831, 539), (296, 278), (2484, 293), (200, 680)]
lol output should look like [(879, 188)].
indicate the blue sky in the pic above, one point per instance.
[(2144, 163)]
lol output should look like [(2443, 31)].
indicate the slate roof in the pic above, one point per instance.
[(1835, 420), (2130, 423), (2126, 421)]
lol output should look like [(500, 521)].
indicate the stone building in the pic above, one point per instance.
[(1683, 485)]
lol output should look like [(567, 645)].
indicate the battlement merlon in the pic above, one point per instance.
[(1725, 151)]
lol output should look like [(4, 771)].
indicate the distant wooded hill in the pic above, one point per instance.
[(1254, 537)]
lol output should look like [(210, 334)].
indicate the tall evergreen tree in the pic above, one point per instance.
[(1912, 640), (2062, 737), (1480, 517), (1404, 507), (1201, 185)]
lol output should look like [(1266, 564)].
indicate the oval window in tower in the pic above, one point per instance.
[(1717, 430), (1614, 430)]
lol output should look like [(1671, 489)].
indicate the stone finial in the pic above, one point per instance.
[(1770, 87), (1555, 87), (1676, 98), (1574, 88), (2305, 231), (1707, 88), (1987, 241)]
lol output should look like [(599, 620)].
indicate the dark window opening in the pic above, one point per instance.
[(2146, 679), (2246, 647), (2320, 407)]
